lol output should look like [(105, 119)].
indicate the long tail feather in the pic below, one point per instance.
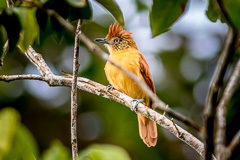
[(147, 131)]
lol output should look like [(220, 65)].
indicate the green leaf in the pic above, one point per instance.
[(24, 146), (113, 8), (213, 11), (3, 4), (12, 24), (70, 12), (79, 13), (67, 11), (77, 3), (9, 122), (232, 6), (30, 29), (43, 1), (60, 6), (57, 151), (141, 5), (42, 18), (57, 30), (104, 152), (233, 9), (164, 14)]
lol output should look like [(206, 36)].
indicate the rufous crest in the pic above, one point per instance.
[(115, 30)]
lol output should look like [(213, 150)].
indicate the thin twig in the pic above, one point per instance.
[(231, 86), (179, 134), (9, 78), (5, 50), (227, 153), (61, 20), (233, 144), (10, 3), (164, 111), (74, 105), (222, 106), (217, 81), (101, 90)]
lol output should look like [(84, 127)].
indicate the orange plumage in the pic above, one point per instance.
[(123, 50)]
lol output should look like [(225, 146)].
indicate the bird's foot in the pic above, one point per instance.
[(137, 101), (109, 87)]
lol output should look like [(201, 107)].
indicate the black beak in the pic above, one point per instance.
[(102, 40)]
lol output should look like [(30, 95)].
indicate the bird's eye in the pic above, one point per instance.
[(116, 40)]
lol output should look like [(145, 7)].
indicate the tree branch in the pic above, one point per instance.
[(10, 3), (5, 50), (233, 144), (232, 84), (101, 90), (9, 78), (217, 80), (74, 105), (159, 104)]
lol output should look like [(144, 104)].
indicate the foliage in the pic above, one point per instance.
[(113, 8), (57, 151), (232, 7), (16, 142), (169, 11), (103, 152)]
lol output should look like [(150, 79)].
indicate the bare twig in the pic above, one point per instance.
[(5, 50), (100, 90), (234, 143), (210, 109), (61, 20), (7, 78), (232, 84), (164, 111), (179, 133), (217, 80), (74, 105), (227, 153), (10, 3)]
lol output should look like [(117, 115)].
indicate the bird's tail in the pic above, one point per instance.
[(147, 130)]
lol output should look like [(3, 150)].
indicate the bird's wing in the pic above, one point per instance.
[(144, 69)]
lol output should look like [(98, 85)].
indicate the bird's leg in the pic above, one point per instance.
[(109, 87), (137, 101)]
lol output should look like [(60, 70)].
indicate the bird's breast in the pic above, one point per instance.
[(119, 80)]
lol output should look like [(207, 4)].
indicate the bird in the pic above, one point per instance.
[(123, 51)]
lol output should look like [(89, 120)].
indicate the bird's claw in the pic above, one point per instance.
[(137, 101), (109, 87)]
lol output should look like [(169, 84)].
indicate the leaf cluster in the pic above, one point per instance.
[(16, 142)]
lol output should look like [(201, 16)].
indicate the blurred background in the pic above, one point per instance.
[(181, 61)]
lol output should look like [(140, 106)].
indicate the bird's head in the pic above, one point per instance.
[(117, 39)]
